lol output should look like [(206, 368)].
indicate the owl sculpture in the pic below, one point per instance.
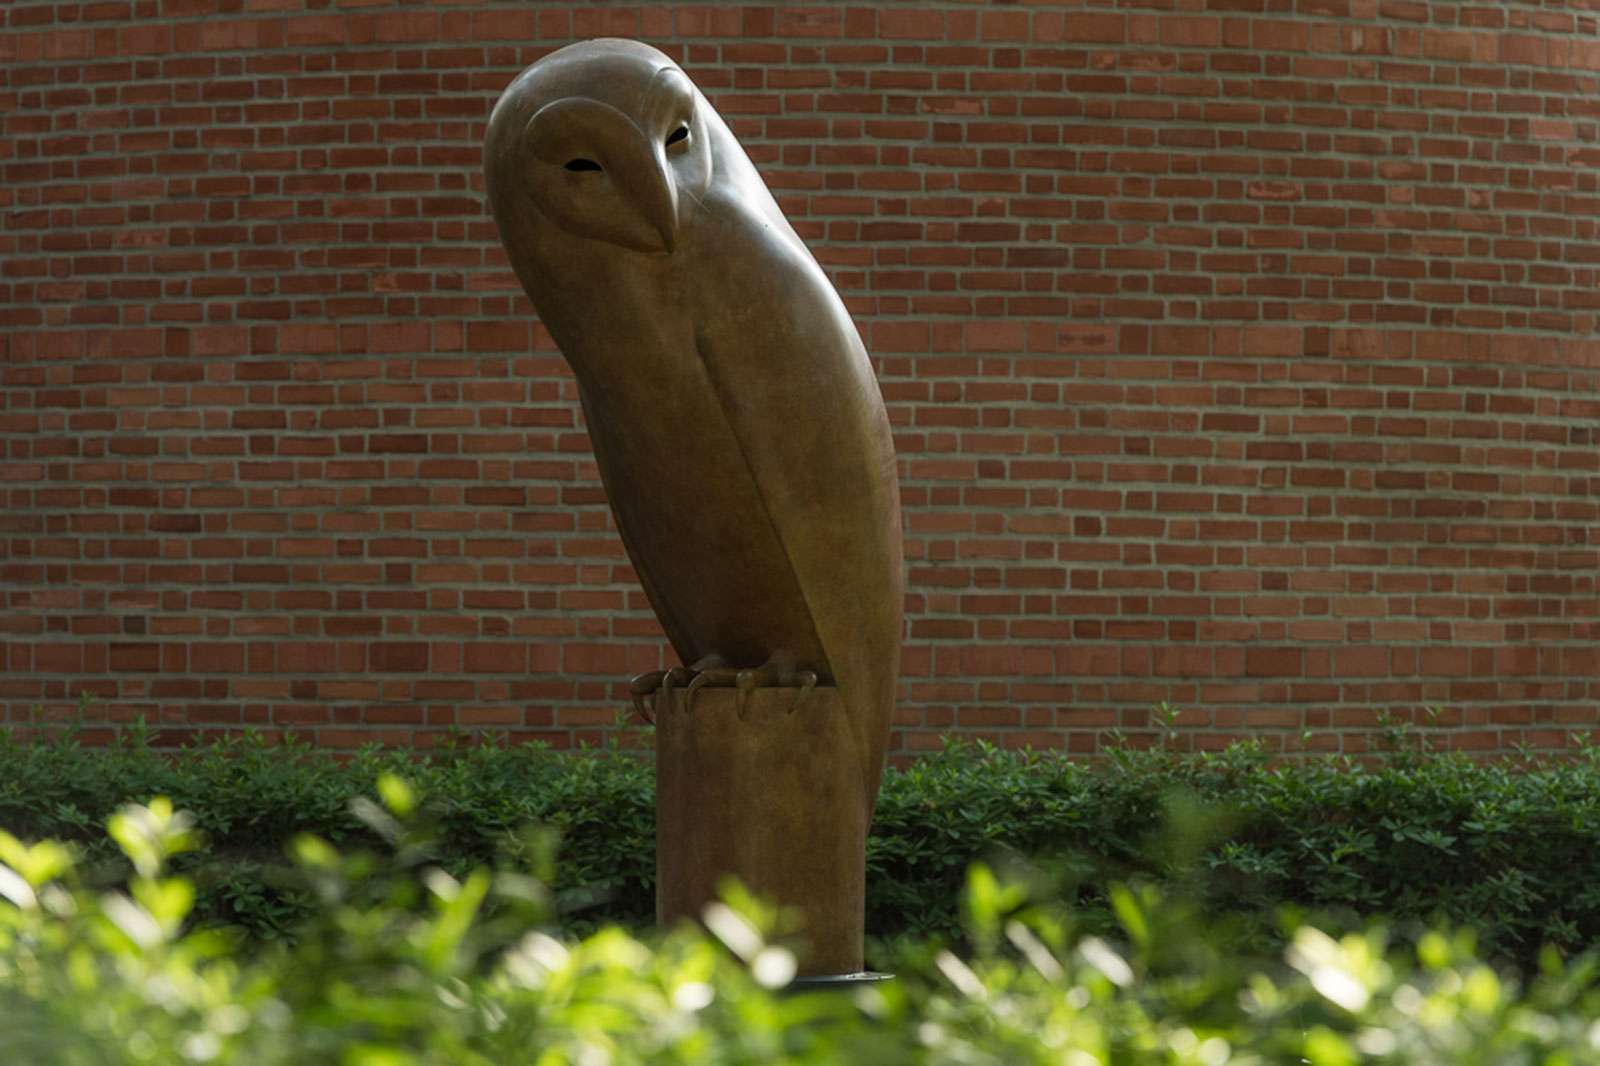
[(735, 419)]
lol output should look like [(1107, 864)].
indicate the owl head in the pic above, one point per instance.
[(602, 140)]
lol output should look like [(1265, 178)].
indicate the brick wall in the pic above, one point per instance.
[(1242, 355)]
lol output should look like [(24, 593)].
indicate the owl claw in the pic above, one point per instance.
[(639, 708), (642, 686), (700, 681), (747, 681), (807, 680), (656, 683), (712, 673), (715, 676), (671, 679)]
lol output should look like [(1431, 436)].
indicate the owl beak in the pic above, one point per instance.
[(659, 197)]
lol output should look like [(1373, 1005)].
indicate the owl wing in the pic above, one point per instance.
[(677, 633), (798, 391)]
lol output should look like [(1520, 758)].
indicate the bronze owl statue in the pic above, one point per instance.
[(738, 427)]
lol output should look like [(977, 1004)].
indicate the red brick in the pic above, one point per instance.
[(398, 657), (1200, 392), (1274, 662), (500, 658), (1185, 32), (135, 657), (216, 658), (1096, 27), (901, 23)]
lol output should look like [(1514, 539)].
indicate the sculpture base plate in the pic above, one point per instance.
[(836, 981)]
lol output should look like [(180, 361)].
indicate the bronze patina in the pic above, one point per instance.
[(740, 434)]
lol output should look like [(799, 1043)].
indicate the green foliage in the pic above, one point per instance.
[(249, 799), (400, 963), (1512, 852)]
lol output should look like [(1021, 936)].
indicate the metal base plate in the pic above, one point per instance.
[(837, 980)]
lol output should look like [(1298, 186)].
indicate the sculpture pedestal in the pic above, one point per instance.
[(775, 800)]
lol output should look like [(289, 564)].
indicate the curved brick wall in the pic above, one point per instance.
[(1243, 355)]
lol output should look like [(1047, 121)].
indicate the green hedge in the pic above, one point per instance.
[(402, 964), (1513, 853)]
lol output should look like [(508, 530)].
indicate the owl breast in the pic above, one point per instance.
[(698, 526)]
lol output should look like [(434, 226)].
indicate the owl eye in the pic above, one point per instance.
[(582, 164), (677, 135)]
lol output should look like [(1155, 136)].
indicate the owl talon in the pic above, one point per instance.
[(713, 673), (642, 686), (716, 676), (747, 682), (806, 680), (700, 681), (639, 709), (671, 679)]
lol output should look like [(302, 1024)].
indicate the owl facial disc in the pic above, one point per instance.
[(609, 149)]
